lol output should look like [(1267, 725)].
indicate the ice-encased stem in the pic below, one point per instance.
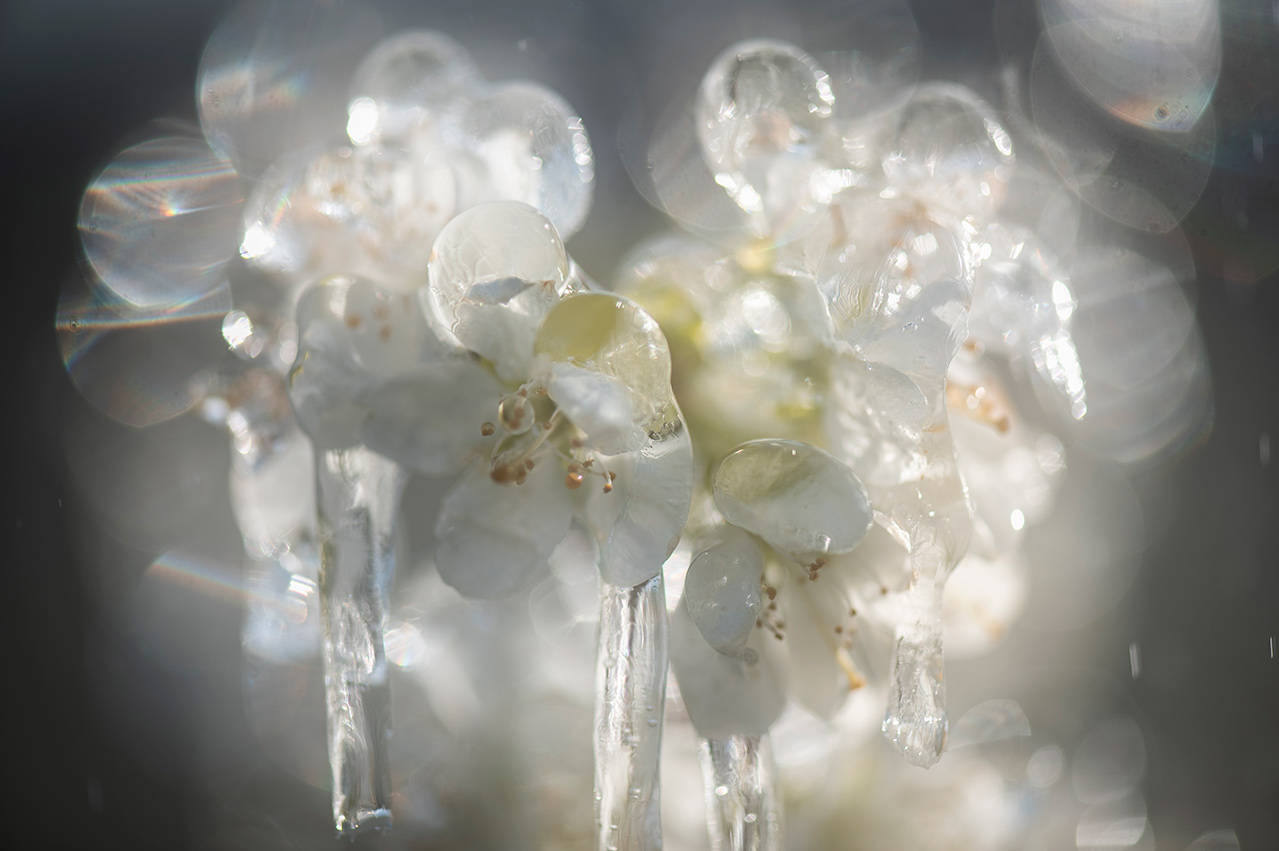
[(915, 718), (630, 699), (742, 808), (358, 499)]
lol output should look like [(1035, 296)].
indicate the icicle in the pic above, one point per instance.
[(630, 696), (915, 718), (743, 812), (359, 493)]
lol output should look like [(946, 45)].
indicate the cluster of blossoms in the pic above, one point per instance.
[(810, 403), (869, 294)]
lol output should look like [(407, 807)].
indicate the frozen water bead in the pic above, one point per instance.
[(801, 500), (160, 221), (404, 83), (761, 98), (495, 271), (608, 336), (722, 590), (950, 151), (273, 77), (535, 148)]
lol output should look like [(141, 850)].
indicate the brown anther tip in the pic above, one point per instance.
[(608, 487), (1002, 424), (575, 468), (546, 426), (772, 607), (354, 321), (576, 443), (528, 463), (839, 630), (522, 392), (812, 577), (487, 429), (771, 592), (612, 477), (883, 589), (777, 635), (588, 462), (384, 333), (853, 612), (758, 623)]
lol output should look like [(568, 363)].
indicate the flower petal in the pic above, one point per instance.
[(597, 404), (639, 523), (495, 539), (724, 696), (429, 419)]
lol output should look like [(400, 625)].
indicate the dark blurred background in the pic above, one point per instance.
[(104, 735)]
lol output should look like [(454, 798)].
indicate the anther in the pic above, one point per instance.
[(573, 481), (487, 429)]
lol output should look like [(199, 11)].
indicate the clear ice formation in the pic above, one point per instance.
[(742, 800), (358, 493), (630, 681)]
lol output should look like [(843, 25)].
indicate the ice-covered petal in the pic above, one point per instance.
[(924, 334), (640, 522), (536, 151), (429, 419), (762, 109), (722, 590), (372, 211), (404, 83), (495, 539), (495, 271), (950, 151), (880, 265), (800, 499), (724, 696), (1013, 290), (611, 336)]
